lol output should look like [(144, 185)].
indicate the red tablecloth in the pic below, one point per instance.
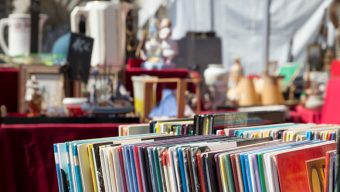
[(9, 88), (26, 152), (303, 115)]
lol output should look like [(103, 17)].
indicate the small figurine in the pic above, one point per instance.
[(235, 75), (236, 72), (169, 46), (36, 99), (160, 49), (152, 53)]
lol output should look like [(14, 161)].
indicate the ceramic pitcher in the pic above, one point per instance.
[(105, 22)]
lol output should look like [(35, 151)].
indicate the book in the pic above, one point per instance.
[(292, 171)]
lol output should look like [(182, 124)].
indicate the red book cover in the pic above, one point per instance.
[(233, 167), (329, 136), (294, 167), (138, 172), (122, 167), (200, 171), (165, 156)]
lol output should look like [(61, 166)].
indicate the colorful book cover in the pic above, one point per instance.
[(200, 171), (181, 169), (244, 174), (77, 175), (316, 173), (57, 166), (229, 173), (133, 167), (223, 178), (261, 172), (65, 166), (97, 164), (122, 168), (292, 171), (234, 168), (127, 169), (152, 168), (93, 172), (256, 172), (138, 167), (327, 166), (248, 172), (239, 171)]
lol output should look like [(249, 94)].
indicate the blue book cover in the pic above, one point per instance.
[(77, 168), (68, 172), (333, 136), (57, 166), (127, 168), (181, 168), (247, 166), (133, 167), (244, 175), (152, 169)]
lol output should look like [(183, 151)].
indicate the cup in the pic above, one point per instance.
[(19, 33)]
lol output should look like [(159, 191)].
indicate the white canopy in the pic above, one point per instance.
[(241, 25)]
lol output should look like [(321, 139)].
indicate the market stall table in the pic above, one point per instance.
[(26, 152), (303, 115)]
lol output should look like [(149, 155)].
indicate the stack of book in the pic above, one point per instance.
[(158, 162), (171, 156), (172, 127), (136, 163), (205, 124), (286, 131)]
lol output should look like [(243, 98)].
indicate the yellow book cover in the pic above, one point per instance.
[(94, 180), (224, 180)]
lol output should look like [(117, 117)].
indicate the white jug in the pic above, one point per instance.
[(105, 22), (19, 30)]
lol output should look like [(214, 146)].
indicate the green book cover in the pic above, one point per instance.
[(262, 179), (229, 173), (157, 167)]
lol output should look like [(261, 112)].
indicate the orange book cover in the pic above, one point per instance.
[(292, 166)]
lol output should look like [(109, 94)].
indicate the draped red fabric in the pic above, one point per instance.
[(26, 152), (9, 88)]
